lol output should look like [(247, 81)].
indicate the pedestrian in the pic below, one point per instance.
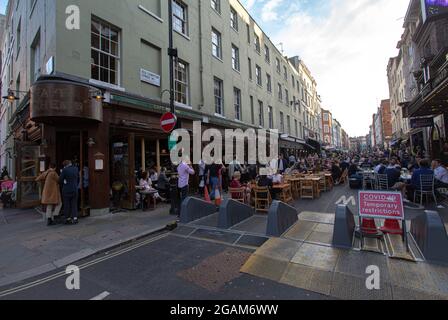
[(69, 180), (51, 194), (184, 170), (4, 173)]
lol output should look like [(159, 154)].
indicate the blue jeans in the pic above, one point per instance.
[(214, 183)]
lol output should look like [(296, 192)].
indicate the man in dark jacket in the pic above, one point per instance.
[(69, 181)]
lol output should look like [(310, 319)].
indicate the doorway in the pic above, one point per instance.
[(72, 145)]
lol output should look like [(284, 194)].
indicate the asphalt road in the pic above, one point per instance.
[(162, 268)]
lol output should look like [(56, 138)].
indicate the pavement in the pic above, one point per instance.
[(29, 248)]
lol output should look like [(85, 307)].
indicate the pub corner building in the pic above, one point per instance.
[(108, 137)]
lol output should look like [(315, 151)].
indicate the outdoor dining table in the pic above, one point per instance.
[(316, 181), (295, 186), (285, 191)]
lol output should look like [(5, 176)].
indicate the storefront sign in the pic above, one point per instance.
[(432, 8), (150, 77), (417, 123), (53, 100), (381, 205)]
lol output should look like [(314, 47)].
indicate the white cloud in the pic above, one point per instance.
[(347, 52), (269, 11)]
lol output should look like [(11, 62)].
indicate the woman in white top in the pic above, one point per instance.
[(146, 184)]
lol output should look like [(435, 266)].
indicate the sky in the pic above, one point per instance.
[(345, 43), (3, 4)]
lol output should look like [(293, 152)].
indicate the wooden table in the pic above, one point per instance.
[(315, 181), (285, 194), (295, 187)]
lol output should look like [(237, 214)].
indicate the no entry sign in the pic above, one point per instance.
[(381, 205), (168, 122)]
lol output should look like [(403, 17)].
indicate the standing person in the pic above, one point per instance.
[(51, 194), (213, 180), (69, 180), (4, 173), (202, 183), (184, 171)]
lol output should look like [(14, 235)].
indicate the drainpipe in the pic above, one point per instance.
[(201, 57)]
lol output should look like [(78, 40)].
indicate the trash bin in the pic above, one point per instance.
[(174, 197)]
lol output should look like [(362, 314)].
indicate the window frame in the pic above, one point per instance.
[(184, 19), (219, 45)]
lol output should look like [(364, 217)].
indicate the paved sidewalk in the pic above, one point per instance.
[(29, 248)]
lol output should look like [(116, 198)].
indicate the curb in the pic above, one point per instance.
[(80, 255)]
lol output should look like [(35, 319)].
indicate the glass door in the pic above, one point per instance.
[(28, 190), (123, 176)]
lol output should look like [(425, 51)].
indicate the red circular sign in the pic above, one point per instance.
[(168, 122)]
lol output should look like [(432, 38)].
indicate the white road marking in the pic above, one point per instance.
[(346, 201), (86, 265), (101, 296)]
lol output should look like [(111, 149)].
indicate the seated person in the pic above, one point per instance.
[(264, 181), (415, 181), (7, 187), (440, 174), (163, 184), (353, 170), (277, 178), (336, 172), (146, 185), (236, 184), (393, 176), (381, 167), (153, 175)]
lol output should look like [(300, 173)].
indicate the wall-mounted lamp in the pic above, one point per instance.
[(13, 95), (98, 96), (91, 142)]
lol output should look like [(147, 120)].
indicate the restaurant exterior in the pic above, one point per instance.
[(109, 139)]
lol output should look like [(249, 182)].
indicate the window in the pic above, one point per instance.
[(271, 117), (280, 92), (105, 52), (181, 82), (18, 37), (237, 103), (180, 20), (248, 32), (294, 103), (326, 129), (219, 96), (216, 5), (235, 58), (287, 97), (260, 113), (257, 43), (233, 19), (35, 59), (277, 64), (282, 122), (288, 124), (285, 73), (18, 89), (296, 128), (326, 118), (216, 44), (267, 54), (249, 61), (269, 82), (258, 75), (252, 111)]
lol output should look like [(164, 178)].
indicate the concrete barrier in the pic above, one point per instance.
[(344, 228), (233, 212), (281, 217), (194, 209), (430, 234)]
